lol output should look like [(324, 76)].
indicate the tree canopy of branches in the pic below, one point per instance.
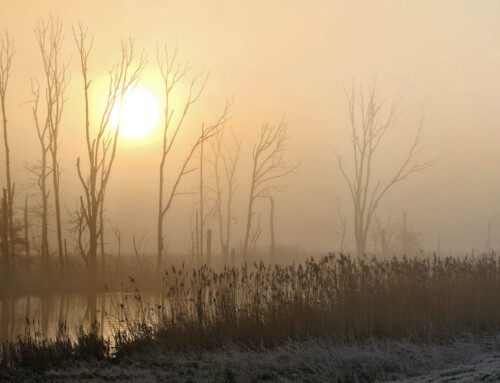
[(369, 126), (269, 166), (173, 71), (50, 38), (101, 146)]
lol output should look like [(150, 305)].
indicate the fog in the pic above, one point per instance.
[(292, 58)]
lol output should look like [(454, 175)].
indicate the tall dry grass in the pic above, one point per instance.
[(338, 296)]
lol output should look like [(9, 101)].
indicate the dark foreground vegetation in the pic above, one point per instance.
[(338, 297)]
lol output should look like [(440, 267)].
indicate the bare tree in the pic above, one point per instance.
[(50, 38), (201, 226), (368, 127), (101, 148), (7, 52), (269, 166), (225, 184), (205, 215), (172, 71), (40, 171)]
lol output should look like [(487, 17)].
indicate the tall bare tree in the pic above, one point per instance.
[(205, 215), (7, 52), (101, 146), (40, 170), (202, 197), (368, 126), (50, 38), (172, 71), (225, 160), (269, 166)]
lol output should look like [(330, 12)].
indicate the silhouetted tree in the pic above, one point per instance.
[(225, 160), (101, 148), (7, 52), (269, 165), (172, 71), (202, 219), (50, 38), (368, 127), (40, 171)]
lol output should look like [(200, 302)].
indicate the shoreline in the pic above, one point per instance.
[(465, 358)]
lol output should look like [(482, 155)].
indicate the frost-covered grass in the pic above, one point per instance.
[(465, 359)]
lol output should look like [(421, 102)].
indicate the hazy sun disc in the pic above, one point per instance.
[(139, 114)]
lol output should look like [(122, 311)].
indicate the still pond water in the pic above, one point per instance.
[(43, 316)]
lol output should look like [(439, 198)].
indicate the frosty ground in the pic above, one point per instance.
[(465, 359)]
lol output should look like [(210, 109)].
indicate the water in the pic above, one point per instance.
[(43, 316)]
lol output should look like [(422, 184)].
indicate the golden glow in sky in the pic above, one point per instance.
[(139, 114)]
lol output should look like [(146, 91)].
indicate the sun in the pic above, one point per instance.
[(139, 114)]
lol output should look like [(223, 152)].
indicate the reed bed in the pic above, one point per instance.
[(340, 297)]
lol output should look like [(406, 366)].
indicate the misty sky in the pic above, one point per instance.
[(295, 57)]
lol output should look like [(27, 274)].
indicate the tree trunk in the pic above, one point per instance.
[(101, 235), (93, 251), (5, 232), (159, 235), (249, 219), (225, 249), (271, 224), (10, 203), (202, 218), (66, 255), (43, 187), (55, 179), (198, 238), (26, 236), (209, 247), (159, 244)]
